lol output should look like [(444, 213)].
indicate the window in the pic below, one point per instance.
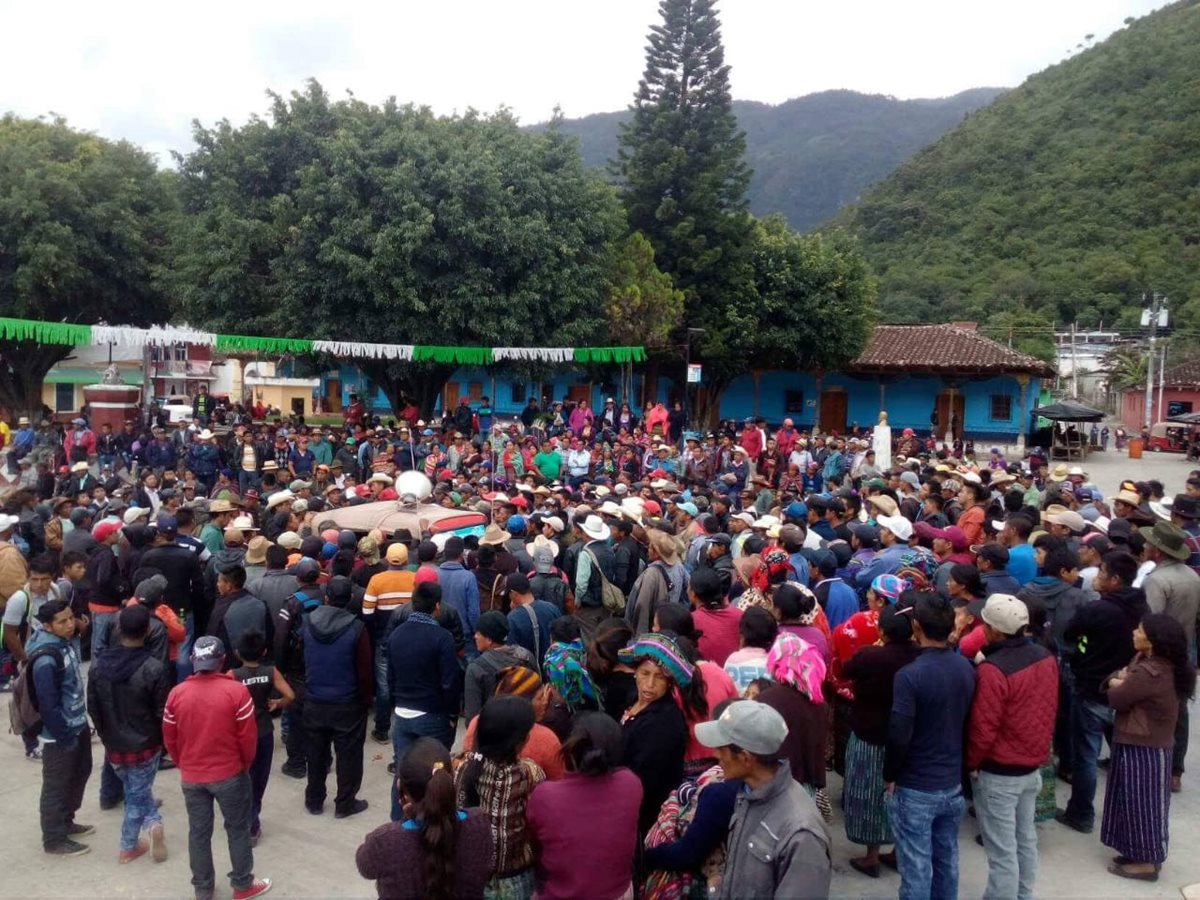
[(64, 398), (1001, 408), (793, 401), (180, 353), (518, 392), (1178, 408)]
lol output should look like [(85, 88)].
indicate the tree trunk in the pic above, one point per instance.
[(23, 368), (423, 382), (708, 408)]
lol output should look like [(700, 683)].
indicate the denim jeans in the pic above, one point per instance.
[(65, 770), (925, 824), (108, 459), (1004, 806), (260, 773), (405, 733), (1091, 722), (246, 481), (140, 811), (102, 624), (234, 796), (383, 692), (183, 665)]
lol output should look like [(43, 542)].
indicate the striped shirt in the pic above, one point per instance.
[(388, 590)]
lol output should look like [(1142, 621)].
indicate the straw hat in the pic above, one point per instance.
[(494, 536), (256, 550)]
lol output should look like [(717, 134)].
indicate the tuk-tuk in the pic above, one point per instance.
[(1169, 437)]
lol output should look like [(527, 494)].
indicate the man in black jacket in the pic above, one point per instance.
[(289, 660), (1101, 633), (627, 554), (185, 580), (127, 692), (237, 611)]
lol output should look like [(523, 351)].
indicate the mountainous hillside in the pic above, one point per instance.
[(814, 154), (1066, 198)]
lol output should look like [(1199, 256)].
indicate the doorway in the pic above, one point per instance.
[(833, 411), (450, 396), (950, 418), (333, 395), (580, 393)]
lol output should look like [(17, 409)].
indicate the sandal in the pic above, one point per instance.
[(1123, 870), (860, 865)]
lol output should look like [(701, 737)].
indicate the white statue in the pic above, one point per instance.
[(881, 443), (112, 375)]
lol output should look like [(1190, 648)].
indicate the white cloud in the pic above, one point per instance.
[(143, 71)]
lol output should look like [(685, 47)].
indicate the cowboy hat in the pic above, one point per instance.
[(541, 541), (494, 536), (1170, 539), (220, 506), (256, 550), (205, 435), (608, 508), (80, 466), (1128, 497), (1060, 473), (885, 504), (280, 497), (243, 523), (593, 526)]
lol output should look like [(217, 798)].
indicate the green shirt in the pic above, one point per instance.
[(549, 464), (212, 537)]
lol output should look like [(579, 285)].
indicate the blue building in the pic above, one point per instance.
[(923, 375)]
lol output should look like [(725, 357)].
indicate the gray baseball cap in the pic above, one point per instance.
[(749, 724), (208, 654)]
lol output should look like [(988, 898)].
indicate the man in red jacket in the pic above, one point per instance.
[(1012, 723), (210, 731)]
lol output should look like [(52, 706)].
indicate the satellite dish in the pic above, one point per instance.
[(413, 484)]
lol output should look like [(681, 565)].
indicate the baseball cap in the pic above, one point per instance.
[(208, 654), (397, 554), (897, 525), (689, 508), (1005, 613), (751, 725), (306, 568)]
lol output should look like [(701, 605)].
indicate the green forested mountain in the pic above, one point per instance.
[(1065, 199), (813, 154)]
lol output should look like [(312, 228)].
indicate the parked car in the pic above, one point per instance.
[(178, 408)]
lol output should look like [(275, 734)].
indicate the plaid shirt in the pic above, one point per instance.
[(133, 757)]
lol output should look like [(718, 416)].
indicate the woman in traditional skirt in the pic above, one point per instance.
[(871, 672), (1145, 696)]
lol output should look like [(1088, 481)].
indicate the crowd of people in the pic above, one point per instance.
[(634, 680)]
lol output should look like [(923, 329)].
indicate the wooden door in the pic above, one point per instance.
[(833, 411), (943, 408), (580, 393), (333, 395), (450, 396)]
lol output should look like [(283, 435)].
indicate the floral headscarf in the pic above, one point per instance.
[(795, 662), (566, 670), (663, 650)]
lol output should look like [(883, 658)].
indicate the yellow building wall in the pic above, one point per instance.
[(281, 397)]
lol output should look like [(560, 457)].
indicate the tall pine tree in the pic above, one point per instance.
[(680, 159)]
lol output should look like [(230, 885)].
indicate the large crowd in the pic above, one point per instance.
[(633, 680)]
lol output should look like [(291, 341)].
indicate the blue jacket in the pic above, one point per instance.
[(204, 459), (423, 671), (460, 590), (60, 695), (520, 628), (160, 454), (886, 562)]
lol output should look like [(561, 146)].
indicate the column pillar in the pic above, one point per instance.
[(1023, 424)]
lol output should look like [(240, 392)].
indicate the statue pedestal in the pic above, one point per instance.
[(112, 404), (881, 443)]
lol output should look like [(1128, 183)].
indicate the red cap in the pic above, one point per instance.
[(652, 507)]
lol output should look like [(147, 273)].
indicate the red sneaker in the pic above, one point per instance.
[(128, 856), (256, 888)]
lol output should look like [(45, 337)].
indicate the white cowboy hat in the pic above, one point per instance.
[(594, 528), (556, 523), (80, 466), (243, 523), (134, 513), (206, 435), (608, 508), (279, 497), (381, 478)]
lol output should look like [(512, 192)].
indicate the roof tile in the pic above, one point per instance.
[(942, 348)]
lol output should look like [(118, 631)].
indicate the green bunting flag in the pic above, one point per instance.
[(68, 334)]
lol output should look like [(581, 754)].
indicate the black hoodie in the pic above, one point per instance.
[(1101, 635), (127, 692)]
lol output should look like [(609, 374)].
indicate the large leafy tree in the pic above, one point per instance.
[(354, 222), (809, 305), (680, 158), (642, 306), (82, 232)]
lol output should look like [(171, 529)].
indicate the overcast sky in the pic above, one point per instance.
[(143, 71)]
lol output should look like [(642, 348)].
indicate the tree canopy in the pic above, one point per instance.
[(83, 224), (1071, 195), (388, 223)]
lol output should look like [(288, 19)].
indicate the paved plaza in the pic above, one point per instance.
[(310, 856)]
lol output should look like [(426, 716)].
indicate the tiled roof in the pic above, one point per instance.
[(1184, 374), (942, 348)]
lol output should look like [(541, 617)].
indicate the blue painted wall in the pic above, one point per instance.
[(908, 401)]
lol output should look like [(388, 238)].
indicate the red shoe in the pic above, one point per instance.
[(256, 888), (128, 856)]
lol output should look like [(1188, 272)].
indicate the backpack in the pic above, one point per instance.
[(23, 713), (612, 597), (307, 605)]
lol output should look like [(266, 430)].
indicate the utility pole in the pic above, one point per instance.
[(1153, 317), (1074, 366)]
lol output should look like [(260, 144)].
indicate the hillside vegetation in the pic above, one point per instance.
[(812, 155), (1065, 199)]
